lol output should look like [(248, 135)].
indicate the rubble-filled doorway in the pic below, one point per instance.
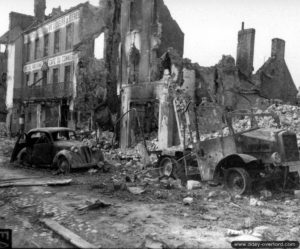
[(147, 112)]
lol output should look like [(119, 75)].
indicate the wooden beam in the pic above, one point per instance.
[(68, 235), (32, 182)]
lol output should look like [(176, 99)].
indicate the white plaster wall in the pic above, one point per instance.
[(74, 87), (10, 75)]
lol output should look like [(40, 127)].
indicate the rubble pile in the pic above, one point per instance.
[(7, 145), (289, 117), (284, 116), (3, 129)]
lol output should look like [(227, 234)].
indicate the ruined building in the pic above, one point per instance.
[(276, 81), (235, 86), (53, 65), (147, 33), (13, 40)]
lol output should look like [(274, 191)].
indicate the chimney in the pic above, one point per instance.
[(39, 10), (245, 50), (278, 48)]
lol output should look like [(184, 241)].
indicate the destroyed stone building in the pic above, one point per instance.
[(147, 33), (275, 78), (235, 86), (122, 57), (47, 65)]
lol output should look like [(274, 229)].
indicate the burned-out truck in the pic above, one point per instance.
[(237, 148)]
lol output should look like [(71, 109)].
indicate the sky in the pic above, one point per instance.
[(211, 26)]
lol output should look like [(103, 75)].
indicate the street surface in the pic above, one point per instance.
[(155, 218)]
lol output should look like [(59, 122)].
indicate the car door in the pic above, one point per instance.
[(20, 144), (42, 150)]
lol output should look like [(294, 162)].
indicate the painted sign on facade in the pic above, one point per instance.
[(51, 62), (53, 26)]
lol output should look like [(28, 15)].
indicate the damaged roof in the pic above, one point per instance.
[(51, 18)]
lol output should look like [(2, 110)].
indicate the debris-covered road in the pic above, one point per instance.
[(130, 207)]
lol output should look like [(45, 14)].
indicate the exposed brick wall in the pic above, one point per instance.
[(245, 51), (21, 20)]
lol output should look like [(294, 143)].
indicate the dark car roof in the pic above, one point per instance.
[(50, 129)]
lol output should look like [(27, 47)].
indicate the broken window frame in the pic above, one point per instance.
[(55, 77), (69, 72), (46, 45), (56, 46), (27, 79), (36, 78), (99, 38), (45, 77), (28, 46), (37, 44), (69, 36)]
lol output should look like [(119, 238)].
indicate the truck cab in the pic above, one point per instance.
[(237, 148)]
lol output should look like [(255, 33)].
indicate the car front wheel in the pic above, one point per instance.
[(64, 165), (22, 157)]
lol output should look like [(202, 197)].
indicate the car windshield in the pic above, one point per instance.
[(63, 135)]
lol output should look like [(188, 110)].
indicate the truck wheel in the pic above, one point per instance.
[(169, 167), (237, 181), (64, 165), (166, 166)]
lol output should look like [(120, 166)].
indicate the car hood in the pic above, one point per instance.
[(68, 144), (267, 134)]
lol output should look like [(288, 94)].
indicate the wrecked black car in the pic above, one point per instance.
[(55, 147)]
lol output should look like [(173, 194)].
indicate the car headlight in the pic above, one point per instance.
[(74, 149), (276, 158)]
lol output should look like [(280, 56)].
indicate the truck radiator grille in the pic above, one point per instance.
[(290, 147)]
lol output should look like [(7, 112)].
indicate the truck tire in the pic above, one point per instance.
[(166, 166), (237, 181), (169, 167)]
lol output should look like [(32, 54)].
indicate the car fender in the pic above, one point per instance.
[(239, 158)]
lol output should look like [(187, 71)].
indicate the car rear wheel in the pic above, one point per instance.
[(64, 165), (237, 181)]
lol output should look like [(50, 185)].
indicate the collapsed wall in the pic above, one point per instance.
[(97, 71)]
